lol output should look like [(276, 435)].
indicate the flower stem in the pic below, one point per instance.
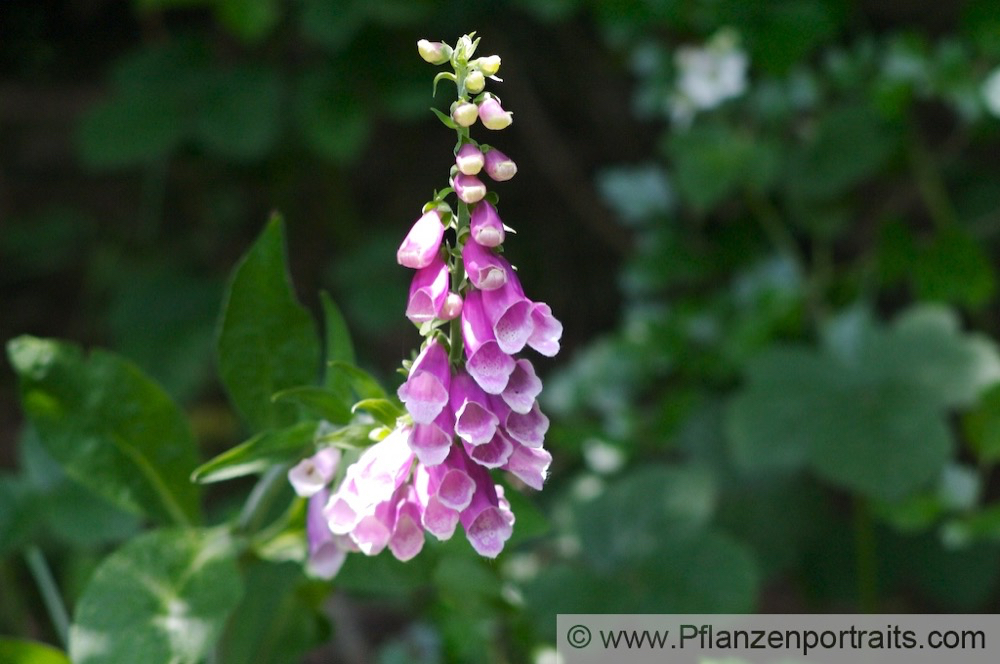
[(866, 556), (50, 592)]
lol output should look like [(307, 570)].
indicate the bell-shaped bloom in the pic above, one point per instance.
[(499, 166), (432, 442), (425, 392), (475, 423), (475, 82), (547, 330), (428, 291), (436, 53), (489, 64), (408, 534), (421, 245), (442, 492), (370, 481), (469, 159), (523, 387), (312, 474), (469, 188), (485, 361), (327, 552), (464, 113), (493, 116), (484, 268), (452, 307), (494, 453), (529, 465), (529, 428), (487, 521), (485, 225), (509, 312)]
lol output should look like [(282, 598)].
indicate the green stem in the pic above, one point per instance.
[(50, 592), (866, 556)]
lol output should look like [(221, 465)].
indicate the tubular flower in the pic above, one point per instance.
[(422, 243), (471, 405)]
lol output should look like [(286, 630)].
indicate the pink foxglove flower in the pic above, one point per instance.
[(469, 188), (431, 442), (452, 307), (469, 159), (499, 166), (485, 225), (421, 245), (488, 521), (475, 423), (310, 476), (428, 291), (327, 552), (425, 392), (485, 269), (465, 114), (486, 362), (493, 116), (523, 387), (530, 465)]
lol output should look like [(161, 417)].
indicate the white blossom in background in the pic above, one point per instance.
[(708, 75), (991, 92)]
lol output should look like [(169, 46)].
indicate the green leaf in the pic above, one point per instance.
[(162, 598), (338, 349), (982, 426), (250, 20), (383, 410), (18, 651), (109, 426), (352, 436), (867, 412), (955, 268), (322, 401), (259, 453), (277, 621), (362, 382), (19, 513), (267, 340), (445, 119), (239, 111)]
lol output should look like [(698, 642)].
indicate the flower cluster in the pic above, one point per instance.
[(471, 403)]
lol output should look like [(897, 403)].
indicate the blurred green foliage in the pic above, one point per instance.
[(788, 402)]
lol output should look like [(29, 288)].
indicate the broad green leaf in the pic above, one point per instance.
[(383, 410), (19, 513), (955, 268), (267, 340), (338, 348), (109, 426), (162, 598), (259, 453), (867, 412), (18, 651), (277, 620), (352, 436), (324, 402)]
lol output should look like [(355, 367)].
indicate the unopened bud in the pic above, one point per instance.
[(493, 115), (469, 159), (475, 82), (485, 226), (464, 113), (469, 188), (436, 53), (452, 307), (489, 65), (499, 166)]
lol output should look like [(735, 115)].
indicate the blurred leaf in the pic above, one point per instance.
[(333, 120), (849, 144), (267, 341), (866, 414), (712, 162), (324, 402), (19, 514), (109, 426), (362, 382), (331, 24), (17, 651), (165, 594), (239, 110), (259, 453), (782, 33), (277, 621), (637, 513), (982, 426), (958, 580), (955, 268), (338, 348), (250, 20), (352, 436)]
